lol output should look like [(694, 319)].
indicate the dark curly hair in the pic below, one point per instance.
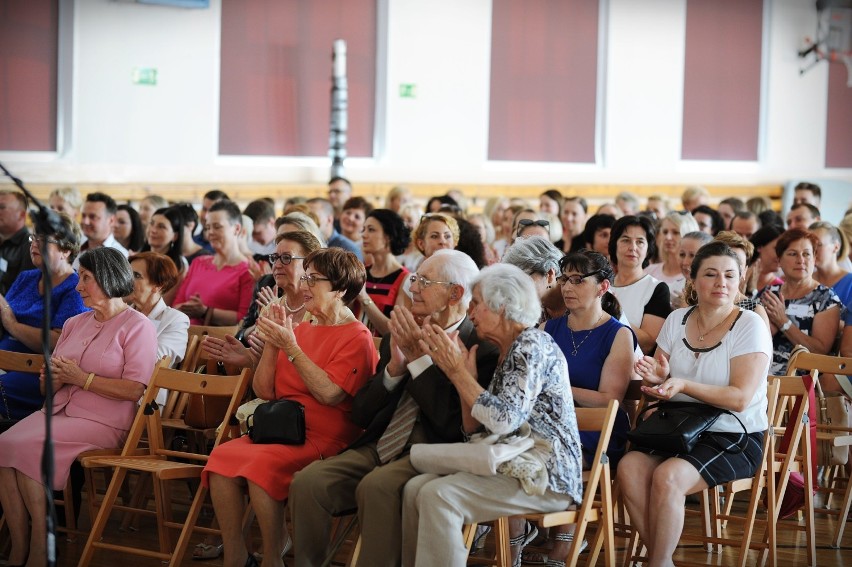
[(399, 237)]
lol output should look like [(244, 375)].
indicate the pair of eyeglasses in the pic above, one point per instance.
[(424, 283), (312, 280), (575, 279), (285, 259), (523, 223), (40, 239)]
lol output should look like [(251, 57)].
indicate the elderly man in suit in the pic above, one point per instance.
[(409, 400)]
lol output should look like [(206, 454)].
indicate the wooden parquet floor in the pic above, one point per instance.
[(791, 550)]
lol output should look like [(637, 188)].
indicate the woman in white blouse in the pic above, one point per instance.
[(153, 275), (716, 353), (644, 298)]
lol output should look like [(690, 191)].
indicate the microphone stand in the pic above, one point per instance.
[(46, 223)]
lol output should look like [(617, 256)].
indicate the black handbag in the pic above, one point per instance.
[(676, 427), (278, 421)]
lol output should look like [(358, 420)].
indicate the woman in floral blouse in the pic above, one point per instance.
[(530, 387), (801, 311)]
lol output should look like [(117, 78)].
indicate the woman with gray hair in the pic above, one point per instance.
[(101, 365), (539, 259), (530, 386)]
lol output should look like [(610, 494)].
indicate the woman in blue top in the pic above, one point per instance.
[(21, 312), (599, 350), (598, 347)]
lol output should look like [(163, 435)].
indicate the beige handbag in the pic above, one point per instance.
[(834, 409)]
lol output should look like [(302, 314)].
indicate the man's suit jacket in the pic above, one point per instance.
[(440, 406)]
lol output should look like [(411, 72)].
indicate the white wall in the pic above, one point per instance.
[(168, 133)]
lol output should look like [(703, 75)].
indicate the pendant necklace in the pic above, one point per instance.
[(702, 334), (589, 334)]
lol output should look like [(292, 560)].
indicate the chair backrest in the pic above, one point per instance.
[(603, 420), (819, 363), (193, 343), (793, 399), (180, 382), (20, 362)]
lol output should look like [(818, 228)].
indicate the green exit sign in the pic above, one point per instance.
[(145, 76), (407, 90)]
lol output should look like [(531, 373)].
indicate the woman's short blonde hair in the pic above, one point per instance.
[(419, 233)]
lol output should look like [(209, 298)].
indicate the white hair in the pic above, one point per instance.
[(507, 288), (458, 268)]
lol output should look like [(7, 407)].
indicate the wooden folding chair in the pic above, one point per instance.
[(774, 476), (164, 464), (829, 436), (596, 505)]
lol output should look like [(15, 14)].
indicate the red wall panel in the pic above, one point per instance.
[(544, 57), (29, 39), (838, 134), (275, 79), (721, 91)]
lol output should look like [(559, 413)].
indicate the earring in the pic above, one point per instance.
[(549, 286)]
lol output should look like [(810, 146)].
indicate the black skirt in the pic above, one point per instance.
[(713, 463)]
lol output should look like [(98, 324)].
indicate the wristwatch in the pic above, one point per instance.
[(786, 326)]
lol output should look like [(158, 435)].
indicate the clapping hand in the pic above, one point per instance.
[(664, 391), (448, 351), (406, 333), (651, 370), (775, 308), (276, 329), (228, 350), (266, 295)]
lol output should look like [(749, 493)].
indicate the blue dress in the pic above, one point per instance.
[(19, 391), (584, 371)]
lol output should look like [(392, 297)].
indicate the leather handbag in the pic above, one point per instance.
[(834, 409), (676, 427), (278, 421), (203, 411)]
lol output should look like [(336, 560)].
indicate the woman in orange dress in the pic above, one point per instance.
[(320, 363)]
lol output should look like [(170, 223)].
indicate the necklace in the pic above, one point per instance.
[(292, 309), (589, 334), (702, 334)]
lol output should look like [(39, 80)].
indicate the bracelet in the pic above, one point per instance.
[(89, 381)]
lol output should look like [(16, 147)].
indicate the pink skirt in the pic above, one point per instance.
[(21, 446)]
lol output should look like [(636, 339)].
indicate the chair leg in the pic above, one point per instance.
[(501, 542), (188, 527), (844, 512), (100, 521)]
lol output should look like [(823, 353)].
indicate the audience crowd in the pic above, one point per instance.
[(400, 326)]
